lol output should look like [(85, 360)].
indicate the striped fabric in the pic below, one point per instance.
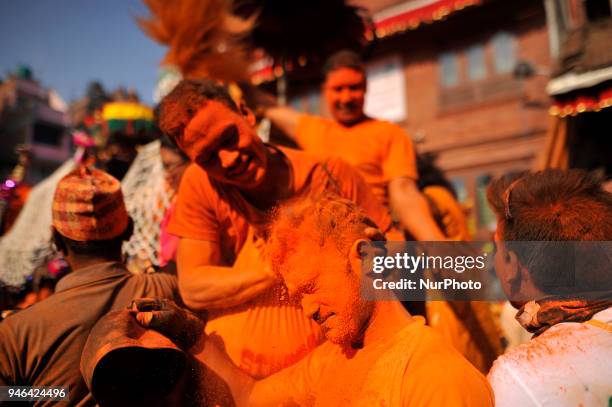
[(129, 118), (88, 205)]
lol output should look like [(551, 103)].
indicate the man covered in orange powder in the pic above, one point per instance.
[(376, 353), (381, 151), (233, 181)]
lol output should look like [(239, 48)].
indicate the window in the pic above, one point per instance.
[(449, 72), (48, 134), (476, 62), (504, 52), (597, 9)]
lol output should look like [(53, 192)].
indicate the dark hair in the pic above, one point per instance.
[(343, 59), (551, 205), (94, 248), (430, 174), (181, 105)]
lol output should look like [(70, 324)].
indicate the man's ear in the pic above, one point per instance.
[(512, 269), (361, 251), (247, 113)]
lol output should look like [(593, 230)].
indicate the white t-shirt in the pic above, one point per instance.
[(568, 365)]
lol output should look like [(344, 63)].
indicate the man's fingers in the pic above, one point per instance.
[(149, 304), (144, 318), (374, 234), (158, 320)]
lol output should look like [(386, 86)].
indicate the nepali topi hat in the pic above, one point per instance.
[(88, 205)]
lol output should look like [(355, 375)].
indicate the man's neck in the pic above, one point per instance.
[(78, 262), (388, 318), (276, 185), (353, 123)]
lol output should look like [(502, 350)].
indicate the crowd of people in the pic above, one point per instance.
[(258, 297)]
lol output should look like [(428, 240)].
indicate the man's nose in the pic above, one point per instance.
[(228, 157), (311, 309), (346, 96)]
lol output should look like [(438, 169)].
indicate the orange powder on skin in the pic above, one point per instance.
[(344, 91), (217, 137), (309, 246)]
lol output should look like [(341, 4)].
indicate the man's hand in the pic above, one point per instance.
[(180, 325), (251, 258)]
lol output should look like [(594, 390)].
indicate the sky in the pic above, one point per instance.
[(69, 43)]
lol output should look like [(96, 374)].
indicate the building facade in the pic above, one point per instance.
[(34, 116)]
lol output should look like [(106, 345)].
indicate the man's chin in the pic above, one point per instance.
[(348, 120), (248, 181), (339, 338)]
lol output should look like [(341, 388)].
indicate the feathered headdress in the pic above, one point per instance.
[(204, 37)]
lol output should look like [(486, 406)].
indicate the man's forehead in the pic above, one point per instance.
[(298, 277), (210, 115), (344, 75)]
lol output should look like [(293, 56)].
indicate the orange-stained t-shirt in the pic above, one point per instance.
[(379, 150), (413, 368), (215, 212)]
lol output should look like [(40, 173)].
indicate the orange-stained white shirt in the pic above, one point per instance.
[(568, 365)]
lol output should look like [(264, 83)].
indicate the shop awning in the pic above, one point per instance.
[(410, 15), (394, 20)]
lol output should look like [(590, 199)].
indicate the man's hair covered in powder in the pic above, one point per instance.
[(319, 220)]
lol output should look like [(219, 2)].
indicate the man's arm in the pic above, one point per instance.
[(281, 388), (204, 284), (413, 210), (285, 118), (185, 329)]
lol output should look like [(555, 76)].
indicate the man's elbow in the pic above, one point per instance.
[(190, 295)]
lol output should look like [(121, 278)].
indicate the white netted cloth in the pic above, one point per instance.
[(27, 245), (147, 198)]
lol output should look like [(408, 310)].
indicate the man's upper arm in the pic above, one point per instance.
[(195, 216), (284, 118), (192, 254), (508, 387), (310, 134)]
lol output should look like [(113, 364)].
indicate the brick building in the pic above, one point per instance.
[(581, 85), (34, 116), (445, 71)]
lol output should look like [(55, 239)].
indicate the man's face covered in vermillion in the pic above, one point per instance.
[(344, 91), (329, 291), (224, 143)]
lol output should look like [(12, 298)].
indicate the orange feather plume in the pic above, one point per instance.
[(204, 37)]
